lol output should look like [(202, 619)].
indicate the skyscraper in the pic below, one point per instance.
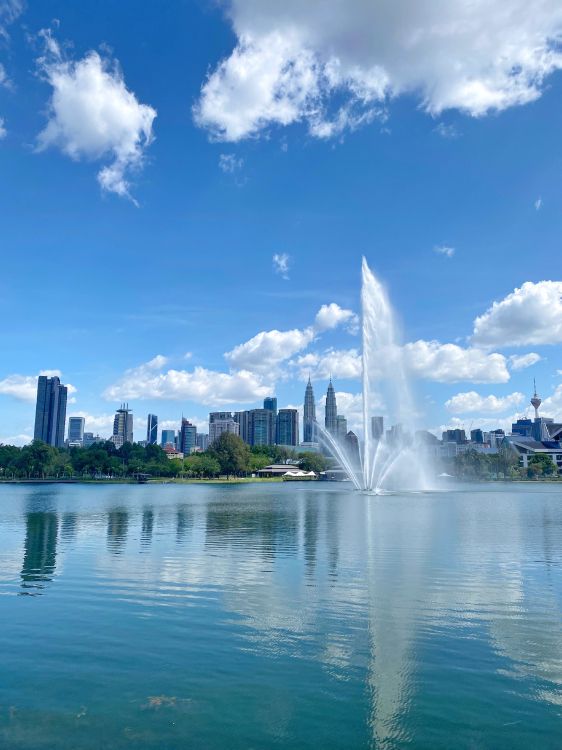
[(288, 427), (262, 427), (341, 427), (168, 437), (219, 425), (152, 429), (50, 411), (309, 414), (122, 426), (188, 437), (377, 427), (75, 430), (270, 403), (242, 419), (331, 414)]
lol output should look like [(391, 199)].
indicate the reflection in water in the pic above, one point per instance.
[(68, 527), (40, 550), (147, 527), (310, 534), (117, 526), (184, 521)]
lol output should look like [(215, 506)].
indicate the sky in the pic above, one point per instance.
[(188, 188)]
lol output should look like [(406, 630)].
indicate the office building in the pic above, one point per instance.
[(152, 430), (122, 426), (76, 430), (218, 426), (341, 427), (309, 414), (331, 410), (219, 416), (351, 443), (477, 436), (50, 411), (377, 427), (270, 403), (168, 438), (288, 427), (242, 419), (187, 437), (89, 439), (454, 436), (262, 427), (202, 441)]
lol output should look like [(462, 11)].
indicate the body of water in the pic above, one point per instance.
[(280, 616)]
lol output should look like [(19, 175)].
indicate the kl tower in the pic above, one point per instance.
[(536, 401)]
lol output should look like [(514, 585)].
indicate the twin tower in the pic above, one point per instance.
[(309, 415)]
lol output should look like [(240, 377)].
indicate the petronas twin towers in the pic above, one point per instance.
[(309, 417)]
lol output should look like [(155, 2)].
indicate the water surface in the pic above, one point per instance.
[(279, 616)]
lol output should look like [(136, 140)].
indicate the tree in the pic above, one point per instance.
[(258, 462), (232, 453), (310, 461), (202, 465), (540, 464)]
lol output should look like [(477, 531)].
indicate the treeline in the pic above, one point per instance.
[(228, 456), (505, 464)]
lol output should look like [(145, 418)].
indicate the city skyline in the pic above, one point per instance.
[(231, 250)]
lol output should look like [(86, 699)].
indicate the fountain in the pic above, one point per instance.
[(385, 463)]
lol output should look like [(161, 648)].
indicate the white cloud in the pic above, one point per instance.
[(230, 164), (332, 315), (450, 363), (339, 364), (9, 12), (92, 115), (200, 385), (99, 424), (24, 387), (445, 250), (521, 361), (530, 315), (334, 64), (281, 264), (265, 351), (449, 132), (552, 406), (19, 440), (472, 402), (538, 204)]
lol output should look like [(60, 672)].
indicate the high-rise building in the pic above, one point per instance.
[(454, 436), (122, 426), (262, 427), (188, 437), (75, 430), (270, 403), (242, 418), (202, 440), (90, 439), (377, 427), (50, 411), (216, 416), (218, 426), (152, 429), (341, 427), (331, 411), (288, 427), (168, 438), (477, 436), (309, 414), (352, 447)]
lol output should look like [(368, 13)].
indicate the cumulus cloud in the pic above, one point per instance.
[(332, 315), (340, 364), (99, 424), (265, 351), (334, 64), (24, 387), (521, 361), (445, 250), (472, 402), (281, 264), (200, 385), (19, 440), (450, 363), (530, 315), (92, 115)]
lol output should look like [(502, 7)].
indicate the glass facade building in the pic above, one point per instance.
[(152, 429), (50, 411)]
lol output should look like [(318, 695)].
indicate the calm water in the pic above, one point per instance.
[(279, 616)]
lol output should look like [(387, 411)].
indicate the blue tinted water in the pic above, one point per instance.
[(280, 615)]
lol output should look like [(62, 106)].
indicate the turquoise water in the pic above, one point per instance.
[(279, 615)]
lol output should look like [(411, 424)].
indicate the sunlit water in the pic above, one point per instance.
[(280, 615)]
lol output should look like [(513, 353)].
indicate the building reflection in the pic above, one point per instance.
[(39, 560), (117, 528), (184, 522), (147, 527), (68, 527)]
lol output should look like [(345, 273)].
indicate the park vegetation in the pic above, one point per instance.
[(228, 456), (505, 464)]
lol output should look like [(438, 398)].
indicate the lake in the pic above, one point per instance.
[(280, 616)]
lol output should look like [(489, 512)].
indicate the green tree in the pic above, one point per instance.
[(540, 464), (310, 461), (232, 453)]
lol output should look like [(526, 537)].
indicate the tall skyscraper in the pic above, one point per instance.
[(262, 427), (270, 403), (377, 427), (122, 426), (309, 414), (152, 429), (50, 411), (341, 427), (168, 438), (75, 430), (331, 414), (242, 419), (288, 427), (188, 437)]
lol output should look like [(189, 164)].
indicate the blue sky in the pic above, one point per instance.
[(156, 158)]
